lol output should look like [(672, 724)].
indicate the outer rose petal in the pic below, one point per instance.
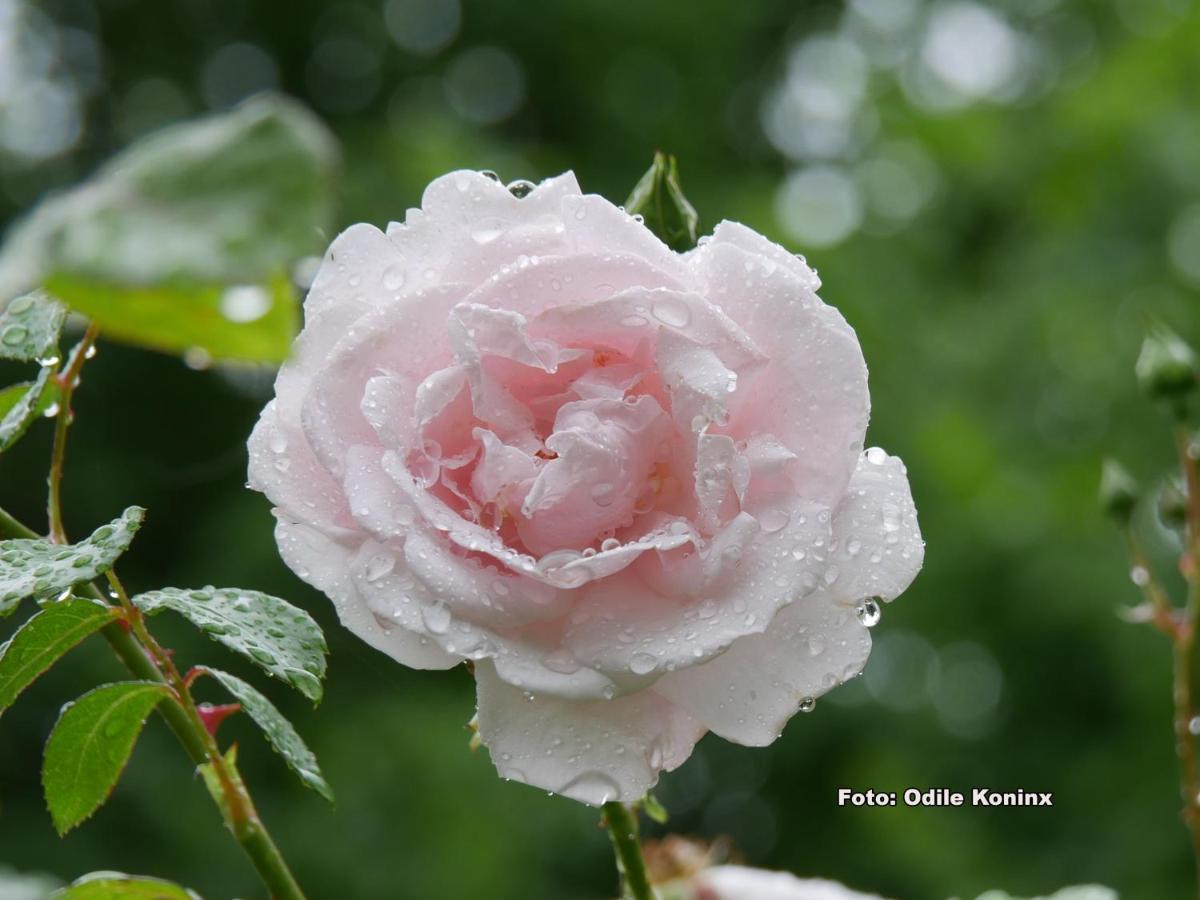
[(594, 751), (812, 396), (749, 692), (878, 543), (325, 564), (745, 883)]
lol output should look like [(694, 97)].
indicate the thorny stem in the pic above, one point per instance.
[(145, 658), (67, 380), (623, 829), (1184, 646)]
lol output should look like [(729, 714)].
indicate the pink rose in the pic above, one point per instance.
[(628, 484)]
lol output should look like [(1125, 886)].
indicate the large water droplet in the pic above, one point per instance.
[(642, 664), (807, 704), (671, 312), (245, 303), (521, 188), (773, 519), (869, 613), (379, 565), (436, 617), (14, 334)]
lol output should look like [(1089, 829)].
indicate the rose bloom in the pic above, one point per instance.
[(627, 484)]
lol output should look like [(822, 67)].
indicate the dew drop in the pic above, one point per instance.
[(807, 704), (869, 613), (773, 519), (379, 566), (14, 334), (521, 188), (642, 664), (671, 312)]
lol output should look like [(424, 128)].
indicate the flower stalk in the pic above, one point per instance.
[(147, 660), (623, 829)]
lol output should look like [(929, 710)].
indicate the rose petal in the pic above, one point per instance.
[(749, 692), (812, 397), (673, 610), (877, 539), (593, 752), (325, 563)]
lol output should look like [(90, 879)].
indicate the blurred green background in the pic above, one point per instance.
[(995, 195)]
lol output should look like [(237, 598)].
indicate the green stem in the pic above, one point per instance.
[(67, 381), (623, 829), (184, 721)]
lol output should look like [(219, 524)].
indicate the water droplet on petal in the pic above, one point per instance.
[(807, 704), (869, 613)]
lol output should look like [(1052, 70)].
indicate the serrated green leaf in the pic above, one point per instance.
[(39, 568), (160, 232), (279, 637), (39, 643), (279, 731), (255, 322), (117, 886), (29, 326), (21, 404), (659, 200), (12, 395), (90, 745)]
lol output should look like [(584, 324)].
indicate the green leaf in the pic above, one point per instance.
[(242, 321), (90, 745), (167, 226), (21, 404), (29, 327), (279, 731), (282, 639), (659, 200), (116, 886), (39, 643), (35, 567)]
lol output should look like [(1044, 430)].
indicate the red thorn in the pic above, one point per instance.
[(213, 715)]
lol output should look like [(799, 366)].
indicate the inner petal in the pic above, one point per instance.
[(604, 453)]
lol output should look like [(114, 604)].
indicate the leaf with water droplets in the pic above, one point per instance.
[(90, 745), (29, 326), (117, 886), (181, 240), (659, 200), (255, 321), (278, 730), (39, 643), (279, 637), (21, 404), (39, 568)]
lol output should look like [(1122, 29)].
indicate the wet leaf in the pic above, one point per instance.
[(153, 244), (90, 745), (243, 321), (278, 730), (278, 637), (39, 568), (116, 886), (39, 643), (21, 404), (29, 326)]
